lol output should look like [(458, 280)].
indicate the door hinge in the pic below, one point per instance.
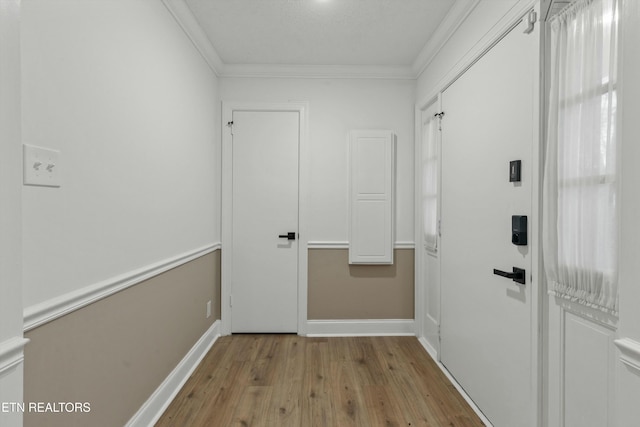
[(439, 115), (440, 228), (230, 300), (532, 18)]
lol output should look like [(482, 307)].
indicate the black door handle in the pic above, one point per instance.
[(518, 275), (289, 236)]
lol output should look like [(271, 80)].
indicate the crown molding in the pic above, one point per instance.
[(318, 71), (449, 25), (189, 24), (187, 21)]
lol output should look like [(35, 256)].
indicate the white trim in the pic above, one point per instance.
[(327, 245), (458, 387), (11, 353), (321, 244), (447, 28), (318, 71), (151, 411), (404, 245), (421, 250), (189, 24), (41, 313), (304, 185), (629, 352), (360, 328), (590, 314), (227, 204), (538, 298), (430, 349)]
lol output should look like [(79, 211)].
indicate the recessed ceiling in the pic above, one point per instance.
[(319, 32)]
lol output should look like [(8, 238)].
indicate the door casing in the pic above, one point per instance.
[(227, 198)]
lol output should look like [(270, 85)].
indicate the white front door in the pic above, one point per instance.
[(264, 287), (486, 319)]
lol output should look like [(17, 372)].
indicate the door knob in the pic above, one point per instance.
[(289, 236), (518, 275)]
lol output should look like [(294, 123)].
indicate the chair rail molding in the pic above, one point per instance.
[(11, 353), (46, 311), (629, 352)]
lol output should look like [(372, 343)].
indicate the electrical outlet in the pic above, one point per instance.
[(208, 309), (41, 166)]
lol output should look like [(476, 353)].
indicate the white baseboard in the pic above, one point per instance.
[(364, 327), (151, 411), (433, 354), (430, 349)]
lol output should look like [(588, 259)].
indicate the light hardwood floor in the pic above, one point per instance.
[(288, 380)]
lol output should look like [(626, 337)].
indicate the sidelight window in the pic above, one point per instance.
[(430, 182), (581, 169)]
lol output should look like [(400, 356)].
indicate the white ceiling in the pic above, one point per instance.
[(319, 32)]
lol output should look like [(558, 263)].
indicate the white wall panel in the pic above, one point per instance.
[(581, 366), (628, 392), (371, 197), (588, 372), (121, 91), (431, 274)]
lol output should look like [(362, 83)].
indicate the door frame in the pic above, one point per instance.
[(426, 323), (227, 198), (539, 309)]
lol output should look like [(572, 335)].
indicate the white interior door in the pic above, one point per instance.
[(486, 329), (264, 285)]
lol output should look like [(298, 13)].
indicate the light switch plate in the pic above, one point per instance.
[(41, 166)]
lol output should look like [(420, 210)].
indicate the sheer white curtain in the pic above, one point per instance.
[(430, 182), (580, 206)]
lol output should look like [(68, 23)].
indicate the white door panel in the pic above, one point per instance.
[(265, 205), (486, 319)]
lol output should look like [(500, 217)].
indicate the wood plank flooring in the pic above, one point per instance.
[(288, 380)]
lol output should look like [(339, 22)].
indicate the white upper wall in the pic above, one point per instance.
[(335, 107), (10, 176), (482, 19), (121, 91)]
